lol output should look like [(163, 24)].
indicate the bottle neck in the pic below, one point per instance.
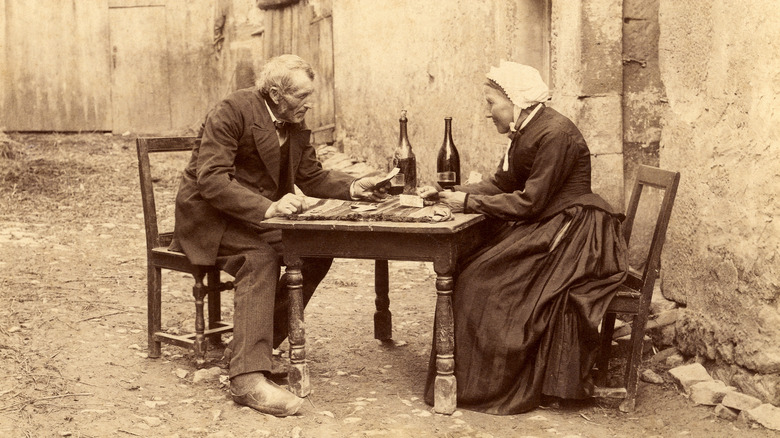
[(404, 147)]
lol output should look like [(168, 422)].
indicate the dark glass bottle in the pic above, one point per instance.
[(403, 158), (448, 161)]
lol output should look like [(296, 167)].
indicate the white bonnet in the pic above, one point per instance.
[(522, 83)]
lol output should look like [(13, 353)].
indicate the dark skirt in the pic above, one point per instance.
[(527, 307)]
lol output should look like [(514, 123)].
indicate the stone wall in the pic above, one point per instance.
[(587, 74), (430, 58), (720, 66)]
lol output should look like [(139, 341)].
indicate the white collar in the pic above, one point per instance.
[(526, 121), (280, 134), (273, 117)]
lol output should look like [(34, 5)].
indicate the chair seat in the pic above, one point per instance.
[(167, 259), (625, 301)]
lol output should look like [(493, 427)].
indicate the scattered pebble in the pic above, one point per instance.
[(650, 376), (152, 421)]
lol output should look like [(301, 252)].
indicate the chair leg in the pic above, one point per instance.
[(634, 359), (214, 305), (602, 363), (199, 291), (154, 308)]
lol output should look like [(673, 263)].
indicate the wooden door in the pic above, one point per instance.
[(140, 97), (54, 66), (307, 31)]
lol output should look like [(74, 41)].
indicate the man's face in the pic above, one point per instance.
[(292, 106), (499, 108)]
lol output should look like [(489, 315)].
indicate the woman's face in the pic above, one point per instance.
[(499, 108)]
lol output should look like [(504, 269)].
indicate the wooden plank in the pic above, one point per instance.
[(140, 99), (307, 32), (3, 66), (326, 99), (194, 79), (56, 66)]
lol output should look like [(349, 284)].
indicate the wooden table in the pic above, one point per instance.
[(381, 241)]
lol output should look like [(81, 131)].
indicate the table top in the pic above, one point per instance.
[(459, 222)]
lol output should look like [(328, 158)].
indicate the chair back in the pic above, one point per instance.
[(156, 145), (667, 181)]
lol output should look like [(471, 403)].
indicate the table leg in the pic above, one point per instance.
[(445, 386), (383, 319), (298, 376)]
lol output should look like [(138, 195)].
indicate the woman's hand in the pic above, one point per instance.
[(428, 193), (454, 200), (289, 204)]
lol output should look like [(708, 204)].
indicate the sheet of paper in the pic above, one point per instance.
[(411, 201)]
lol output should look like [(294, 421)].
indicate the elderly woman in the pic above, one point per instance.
[(527, 305)]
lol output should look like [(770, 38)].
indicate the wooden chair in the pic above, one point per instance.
[(159, 257), (634, 295)]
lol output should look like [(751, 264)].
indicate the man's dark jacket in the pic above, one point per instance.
[(234, 174)]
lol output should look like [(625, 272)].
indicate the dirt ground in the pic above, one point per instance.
[(73, 330)]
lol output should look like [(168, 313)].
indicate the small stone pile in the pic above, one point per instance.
[(332, 159), (728, 403)]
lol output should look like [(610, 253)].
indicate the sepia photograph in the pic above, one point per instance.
[(389, 218)]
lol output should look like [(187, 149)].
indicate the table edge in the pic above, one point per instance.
[(460, 222)]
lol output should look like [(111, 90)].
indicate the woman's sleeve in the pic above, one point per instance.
[(554, 160), (484, 187)]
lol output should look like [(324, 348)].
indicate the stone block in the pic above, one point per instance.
[(739, 401), (651, 376), (766, 415), (689, 375), (600, 120), (726, 413), (641, 9), (709, 393)]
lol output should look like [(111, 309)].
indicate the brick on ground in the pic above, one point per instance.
[(709, 393), (739, 401), (688, 375), (765, 414)]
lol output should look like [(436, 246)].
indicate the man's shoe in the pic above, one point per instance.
[(257, 392)]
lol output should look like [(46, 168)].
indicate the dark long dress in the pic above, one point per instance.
[(528, 303)]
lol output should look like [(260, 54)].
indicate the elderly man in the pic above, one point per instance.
[(255, 147)]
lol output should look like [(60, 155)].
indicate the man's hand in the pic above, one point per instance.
[(366, 189), (289, 204), (453, 200)]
